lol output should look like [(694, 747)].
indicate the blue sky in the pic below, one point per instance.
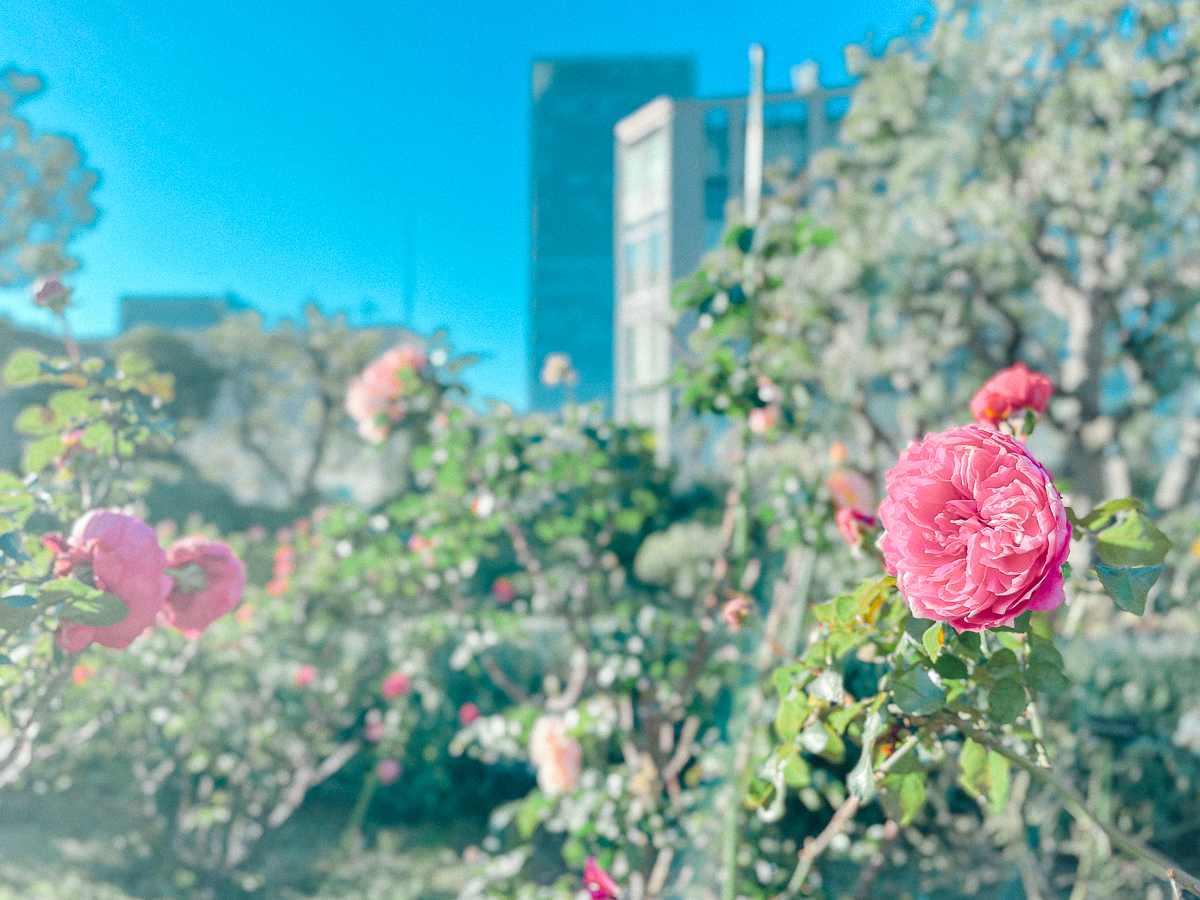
[(308, 151)]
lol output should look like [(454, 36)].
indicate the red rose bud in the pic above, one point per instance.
[(1008, 392), (599, 884)]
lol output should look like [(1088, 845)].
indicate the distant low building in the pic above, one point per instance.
[(170, 313)]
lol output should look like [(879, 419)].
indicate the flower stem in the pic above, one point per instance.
[(1149, 859)]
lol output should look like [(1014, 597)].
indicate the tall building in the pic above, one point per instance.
[(680, 165), (576, 104)]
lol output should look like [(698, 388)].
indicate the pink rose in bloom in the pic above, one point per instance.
[(975, 531), (503, 590), (735, 611), (305, 675), (558, 758), (853, 525), (118, 554), (467, 713), (388, 771), (395, 685), (208, 583), (599, 884), (373, 399), (1010, 391), (851, 490)]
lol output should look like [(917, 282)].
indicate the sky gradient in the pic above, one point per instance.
[(341, 152)]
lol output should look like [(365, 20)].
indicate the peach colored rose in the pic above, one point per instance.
[(1008, 392), (558, 758), (975, 531), (119, 554), (209, 584), (763, 418)]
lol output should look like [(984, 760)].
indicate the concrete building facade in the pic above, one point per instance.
[(679, 167)]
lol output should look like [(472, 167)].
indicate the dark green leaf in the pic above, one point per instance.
[(1046, 679), (915, 693), (1002, 664), (1006, 701), (10, 546), (950, 667), (1128, 587), (18, 601)]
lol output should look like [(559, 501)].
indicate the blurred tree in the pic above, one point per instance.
[(45, 190)]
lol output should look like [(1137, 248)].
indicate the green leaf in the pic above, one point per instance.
[(133, 365), (827, 686), (912, 795), (16, 619), (107, 609), (950, 667), (839, 719), (999, 782), (1046, 679), (10, 546), (861, 780), (74, 404), (1006, 701), (1002, 664), (915, 693), (797, 773), (932, 640), (37, 421), (971, 764), (1129, 587), (40, 452), (793, 710), (1106, 511), (845, 608), (24, 367), (1134, 542)]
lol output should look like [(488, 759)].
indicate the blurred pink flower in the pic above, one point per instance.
[(1008, 392), (763, 418), (51, 294), (975, 531), (503, 590), (735, 611), (285, 561), (81, 673), (394, 685), (599, 884), (558, 758), (853, 525), (305, 675), (209, 583), (851, 490), (373, 399), (467, 713), (375, 728), (119, 554), (388, 771)]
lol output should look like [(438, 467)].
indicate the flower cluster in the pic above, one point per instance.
[(189, 586), (557, 758), (375, 399)]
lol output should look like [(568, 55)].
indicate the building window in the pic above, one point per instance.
[(644, 176)]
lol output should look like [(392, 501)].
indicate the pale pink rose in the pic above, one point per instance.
[(119, 554), (763, 418), (209, 584), (1011, 391), (375, 727), (467, 713), (388, 771), (975, 531), (373, 399), (851, 490), (383, 377), (558, 758), (599, 884), (735, 611), (394, 685)]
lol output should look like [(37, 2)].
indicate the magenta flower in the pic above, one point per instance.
[(467, 713), (208, 583), (394, 685), (119, 554), (735, 611), (1010, 391), (599, 884), (975, 531)]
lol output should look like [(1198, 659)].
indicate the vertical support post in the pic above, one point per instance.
[(752, 183)]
